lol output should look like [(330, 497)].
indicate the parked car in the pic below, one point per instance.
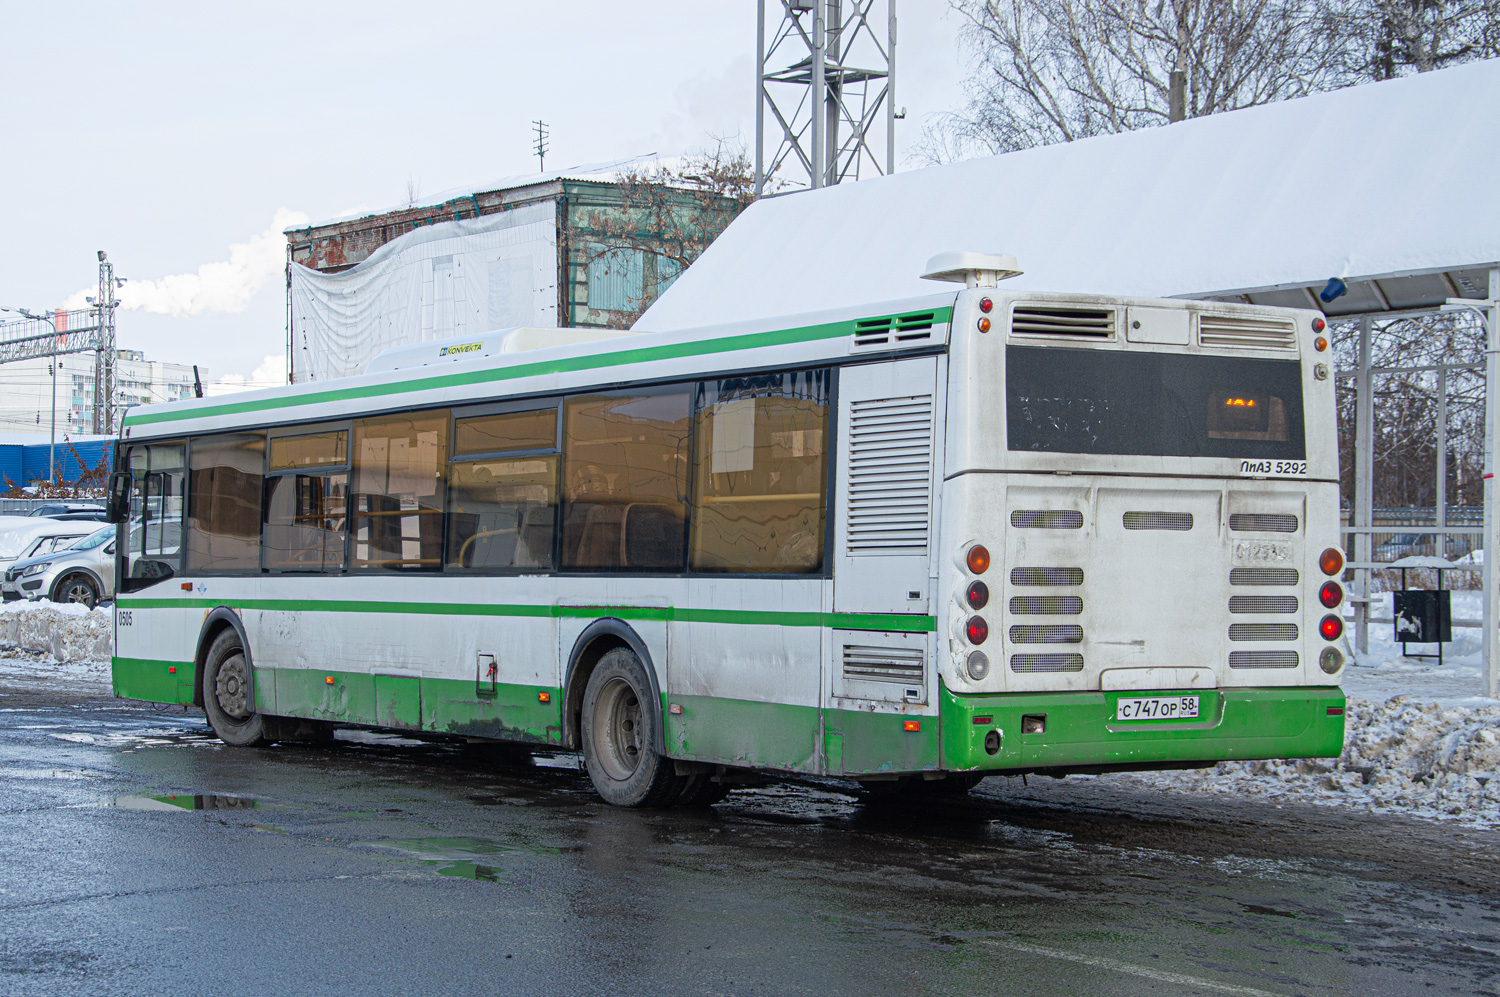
[(79, 517), (84, 572), (54, 510), (37, 536)]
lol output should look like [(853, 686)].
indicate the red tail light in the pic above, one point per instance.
[(1331, 594), (985, 304), (977, 630), (1331, 561), (978, 595), (1331, 627)]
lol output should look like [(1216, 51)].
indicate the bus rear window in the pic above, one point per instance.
[(1153, 404)]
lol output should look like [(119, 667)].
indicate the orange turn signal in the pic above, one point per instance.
[(544, 697), (329, 679), (913, 725), (978, 559), (1331, 561)]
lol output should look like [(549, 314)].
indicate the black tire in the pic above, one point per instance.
[(700, 790), (227, 694), (620, 723), (76, 588)]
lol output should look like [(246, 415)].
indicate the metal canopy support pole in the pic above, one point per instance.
[(52, 443), (1364, 483), (760, 97), (819, 169), (1491, 562), (890, 95), (1440, 493)]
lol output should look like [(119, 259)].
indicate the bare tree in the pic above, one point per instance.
[(1395, 37), (1058, 70)]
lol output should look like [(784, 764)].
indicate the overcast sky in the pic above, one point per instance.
[(181, 138)]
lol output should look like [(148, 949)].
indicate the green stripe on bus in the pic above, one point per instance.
[(905, 623), (644, 354)]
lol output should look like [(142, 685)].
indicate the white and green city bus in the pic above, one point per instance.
[(962, 534)]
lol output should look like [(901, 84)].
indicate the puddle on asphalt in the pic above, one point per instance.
[(50, 774), (132, 739), (464, 858), (182, 801)]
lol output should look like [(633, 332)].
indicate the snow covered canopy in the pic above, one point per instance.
[(1391, 187)]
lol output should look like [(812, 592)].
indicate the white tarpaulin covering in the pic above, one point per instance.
[(455, 278), (1388, 178)]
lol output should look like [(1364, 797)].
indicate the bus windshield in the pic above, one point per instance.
[(1153, 404)]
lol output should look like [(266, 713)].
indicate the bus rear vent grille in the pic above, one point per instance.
[(1262, 522), (1036, 320), (1058, 634), (1262, 604), (1047, 519), (883, 664), (1263, 576), (1263, 631), (1263, 659), (890, 475), (894, 330), (1046, 576), (1246, 333), (1046, 605), (1046, 663), (1158, 520)]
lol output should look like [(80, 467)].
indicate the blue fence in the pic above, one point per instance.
[(26, 463)]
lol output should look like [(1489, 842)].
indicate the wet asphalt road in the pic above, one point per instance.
[(386, 866)]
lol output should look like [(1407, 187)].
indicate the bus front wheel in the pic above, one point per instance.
[(227, 698), (619, 719)]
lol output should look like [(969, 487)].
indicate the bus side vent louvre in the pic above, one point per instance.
[(1024, 663), (1046, 576), (1263, 522), (1047, 519), (890, 475), (1263, 576), (883, 664), (1038, 320), (1262, 631), (1246, 333), (1046, 605), (1158, 520), (1055, 634), (1263, 659), (1262, 604), (893, 330)]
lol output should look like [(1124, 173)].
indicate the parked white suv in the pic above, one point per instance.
[(83, 572)]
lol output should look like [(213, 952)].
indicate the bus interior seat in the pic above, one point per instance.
[(651, 536)]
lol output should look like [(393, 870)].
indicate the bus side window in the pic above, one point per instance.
[(400, 466), (502, 492), (307, 501), (760, 470), (625, 480), (224, 496)]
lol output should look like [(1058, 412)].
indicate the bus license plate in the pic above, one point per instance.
[(1157, 708)]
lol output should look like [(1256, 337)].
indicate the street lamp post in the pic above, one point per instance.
[(56, 359)]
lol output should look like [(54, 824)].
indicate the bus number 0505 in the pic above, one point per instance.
[(1273, 467)]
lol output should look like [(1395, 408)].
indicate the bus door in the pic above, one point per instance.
[(880, 645)]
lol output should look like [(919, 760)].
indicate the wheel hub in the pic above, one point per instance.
[(618, 735), (231, 687)]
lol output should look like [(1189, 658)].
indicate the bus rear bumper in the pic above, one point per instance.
[(1077, 731)]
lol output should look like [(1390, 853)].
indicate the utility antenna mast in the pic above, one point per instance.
[(825, 87), (105, 353), (540, 144)]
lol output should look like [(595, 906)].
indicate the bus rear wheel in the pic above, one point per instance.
[(619, 719), (227, 698)]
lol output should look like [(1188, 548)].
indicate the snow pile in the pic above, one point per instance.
[(57, 632), (1419, 758)]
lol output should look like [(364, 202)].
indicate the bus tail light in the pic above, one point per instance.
[(1318, 324), (1331, 627), (978, 666), (978, 559), (977, 630), (1331, 594), (978, 594), (1331, 660), (1331, 561), (985, 304)]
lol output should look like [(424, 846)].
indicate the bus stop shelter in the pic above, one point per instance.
[(1388, 188)]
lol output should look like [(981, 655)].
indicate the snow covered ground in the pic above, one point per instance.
[(1421, 738)]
